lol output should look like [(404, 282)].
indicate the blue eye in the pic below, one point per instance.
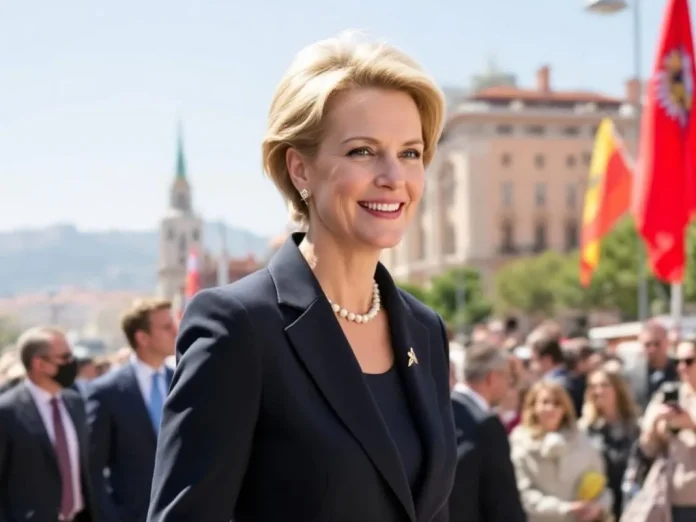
[(361, 151), (412, 154)]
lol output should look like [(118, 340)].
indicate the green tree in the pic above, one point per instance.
[(9, 332), (463, 284), (415, 290), (533, 285), (549, 283)]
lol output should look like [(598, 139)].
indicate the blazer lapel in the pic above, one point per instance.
[(410, 341), (318, 340), (31, 417), (131, 388)]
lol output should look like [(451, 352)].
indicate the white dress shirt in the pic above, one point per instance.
[(480, 401), (42, 399), (143, 373)]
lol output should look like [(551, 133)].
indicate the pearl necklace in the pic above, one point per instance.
[(360, 318)]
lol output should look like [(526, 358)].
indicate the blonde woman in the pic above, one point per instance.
[(552, 457), (314, 389), (610, 418)]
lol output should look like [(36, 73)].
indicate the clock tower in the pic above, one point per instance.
[(180, 231)]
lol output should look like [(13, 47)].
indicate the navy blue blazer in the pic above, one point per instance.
[(30, 484), (269, 416), (485, 487), (122, 441)]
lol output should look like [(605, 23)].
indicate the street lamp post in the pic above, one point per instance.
[(610, 7)]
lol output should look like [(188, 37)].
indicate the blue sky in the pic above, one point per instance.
[(90, 92)]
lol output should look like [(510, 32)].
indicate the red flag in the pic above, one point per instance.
[(193, 283), (665, 196)]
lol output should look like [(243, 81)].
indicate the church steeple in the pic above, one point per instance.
[(180, 194), (180, 156)]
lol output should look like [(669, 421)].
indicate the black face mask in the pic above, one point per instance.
[(65, 376)]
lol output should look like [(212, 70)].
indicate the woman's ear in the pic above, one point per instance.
[(297, 168)]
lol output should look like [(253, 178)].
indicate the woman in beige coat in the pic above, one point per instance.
[(552, 456)]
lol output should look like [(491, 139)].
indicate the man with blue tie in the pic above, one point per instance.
[(124, 410)]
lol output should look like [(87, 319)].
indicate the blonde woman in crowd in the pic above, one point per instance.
[(553, 459), (610, 418), (669, 427), (315, 389)]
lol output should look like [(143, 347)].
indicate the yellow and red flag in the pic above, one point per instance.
[(665, 197), (608, 195)]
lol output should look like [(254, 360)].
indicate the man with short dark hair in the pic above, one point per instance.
[(649, 372), (44, 471), (485, 489), (125, 407)]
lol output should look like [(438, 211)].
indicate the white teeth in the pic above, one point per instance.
[(382, 207)]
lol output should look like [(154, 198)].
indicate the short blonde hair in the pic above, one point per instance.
[(562, 399), (318, 73)]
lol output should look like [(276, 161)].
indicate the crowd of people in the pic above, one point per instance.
[(577, 420), (537, 422), (316, 389)]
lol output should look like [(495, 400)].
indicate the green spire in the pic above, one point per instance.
[(180, 157)]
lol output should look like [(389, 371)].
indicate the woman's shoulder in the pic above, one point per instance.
[(420, 311), (244, 296)]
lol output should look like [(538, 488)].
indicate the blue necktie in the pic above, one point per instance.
[(156, 401)]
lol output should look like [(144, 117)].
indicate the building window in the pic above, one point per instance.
[(539, 161), (594, 129), (571, 131), (571, 195), (506, 159), (535, 130), (504, 129), (170, 234), (571, 235), (196, 235), (540, 194), (507, 194), (449, 237), (507, 237), (448, 186), (421, 249), (586, 158), (183, 248), (539, 237), (570, 161)]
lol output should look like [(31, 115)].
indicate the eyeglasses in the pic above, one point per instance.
[(688, 361), (62, 357)]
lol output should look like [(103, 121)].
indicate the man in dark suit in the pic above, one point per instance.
[(653, 367), (124, 409), (44, 471), (485, 489)]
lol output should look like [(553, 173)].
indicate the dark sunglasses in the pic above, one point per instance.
[(651, 344), (688, 361)]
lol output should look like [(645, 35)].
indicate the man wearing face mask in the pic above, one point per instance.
[(44, 473)]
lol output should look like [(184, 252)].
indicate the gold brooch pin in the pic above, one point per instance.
[(412, 359)]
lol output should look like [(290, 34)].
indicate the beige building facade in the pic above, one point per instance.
[(509, 178)]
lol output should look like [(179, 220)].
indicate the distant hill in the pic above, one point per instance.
[(42, 260)]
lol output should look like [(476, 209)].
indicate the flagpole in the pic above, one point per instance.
[(643, 304)]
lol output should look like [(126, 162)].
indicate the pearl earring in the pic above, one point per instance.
[(304, 194)]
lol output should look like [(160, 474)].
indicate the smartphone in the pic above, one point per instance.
[(671, 394)]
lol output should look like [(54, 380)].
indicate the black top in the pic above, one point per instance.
[(657, 377), (388, 392)]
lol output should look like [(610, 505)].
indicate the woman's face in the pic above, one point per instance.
[(548, 411), (367, 177), (602, 393), (686, 356)]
